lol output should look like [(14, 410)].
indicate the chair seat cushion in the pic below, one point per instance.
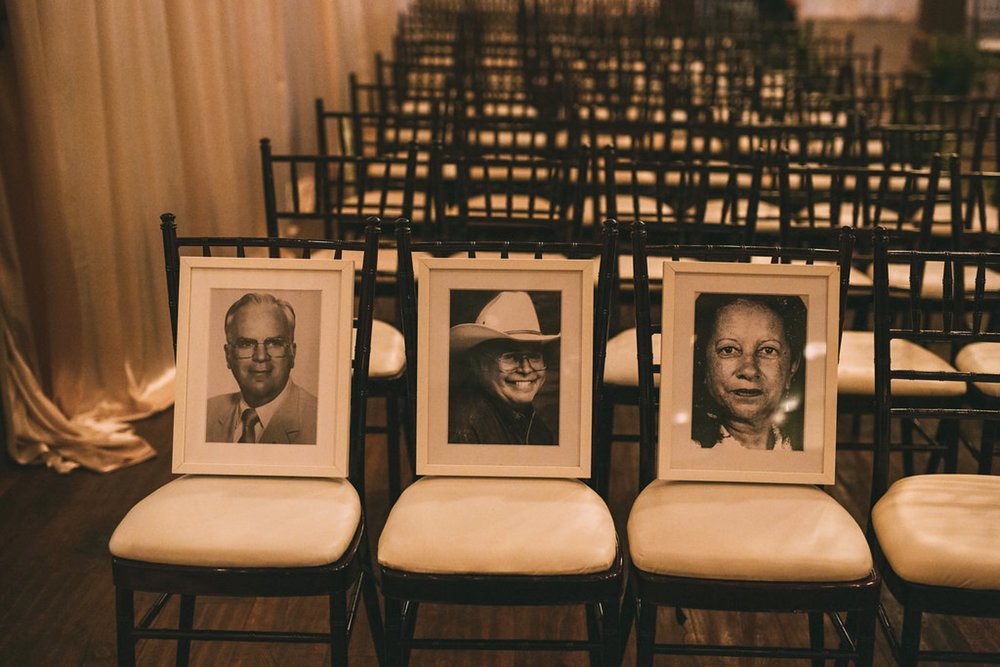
[(856, 369), (856, 277), (466, 525), (388, 260), (981, 358), (388, 351), (371, 203), (219, 521), (933, 287), (942, 530), (520, 206), (745, 532), (621, 366), (654, 269)]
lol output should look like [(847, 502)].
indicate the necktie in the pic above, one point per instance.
[(250, 421)]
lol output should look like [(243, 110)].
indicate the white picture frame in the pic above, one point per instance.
[(557, 436), (700, 394), (292, 442)]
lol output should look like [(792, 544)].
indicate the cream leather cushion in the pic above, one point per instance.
[(621, 366), (388, 260), (388, 351), (647, 209), (981, 358), (822, 212), (933, 287), (498, 202), (748, 532), (654, 269), (220, 521), (487, 525), (942, 530), (768, 215), (856, 277), (856, 370), (371, 204)]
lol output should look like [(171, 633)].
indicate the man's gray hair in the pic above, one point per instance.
[(262, 298)]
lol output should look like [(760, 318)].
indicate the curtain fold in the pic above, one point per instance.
[(112, 113)]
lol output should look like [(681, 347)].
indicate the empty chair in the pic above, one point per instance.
[(934, 534)]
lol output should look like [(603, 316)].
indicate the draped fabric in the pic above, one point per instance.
[(110, 114)]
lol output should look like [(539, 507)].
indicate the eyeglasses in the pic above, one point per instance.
[(245, 348), (510, 361)]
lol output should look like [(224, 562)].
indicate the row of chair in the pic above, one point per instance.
[(773, 547), (457, 196)]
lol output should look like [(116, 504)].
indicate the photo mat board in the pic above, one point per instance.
[(722, 348), (504, 380), (301, 394)]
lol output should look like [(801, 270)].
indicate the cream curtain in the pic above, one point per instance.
[(110, 114)]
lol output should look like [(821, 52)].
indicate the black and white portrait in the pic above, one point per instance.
[(504, 367), (751, 350), (749, 377), (268, 349)]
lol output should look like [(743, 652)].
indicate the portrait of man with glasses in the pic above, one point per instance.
[(269, 407), (500, 363)]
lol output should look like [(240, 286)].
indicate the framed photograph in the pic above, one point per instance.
[(751, 354), (504, 367), (263, 367)]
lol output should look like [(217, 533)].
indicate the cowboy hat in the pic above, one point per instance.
[(509, 316)]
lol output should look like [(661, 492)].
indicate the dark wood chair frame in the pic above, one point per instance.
[(344, 222), (963, 315), (648, 591), (344, 582), (908, 215), (689, 228), (600, 592)]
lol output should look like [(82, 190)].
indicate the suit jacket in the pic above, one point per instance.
[(293, 424)]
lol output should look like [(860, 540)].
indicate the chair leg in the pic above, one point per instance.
[(610, 630), (392, 443), (816, 635), (594, 622), (627, 618), (393, 632), (645, 632), (338, 628), (185, 622), (409, 627), (373, 614), (125, 623), (909, 644), (863, 631)]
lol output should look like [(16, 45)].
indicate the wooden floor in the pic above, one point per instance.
[(57, 597)]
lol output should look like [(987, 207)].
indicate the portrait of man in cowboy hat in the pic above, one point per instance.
[(500, 363)]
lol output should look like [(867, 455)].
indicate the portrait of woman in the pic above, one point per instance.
[(749, 376)]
